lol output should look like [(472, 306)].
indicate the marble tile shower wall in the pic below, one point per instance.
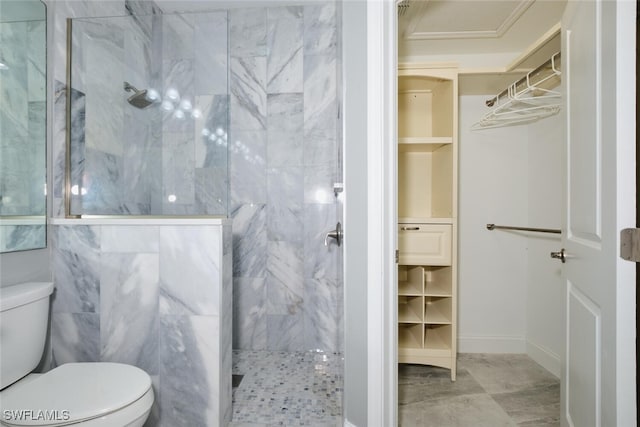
[(157, 297), (284, 121), (166, 160)]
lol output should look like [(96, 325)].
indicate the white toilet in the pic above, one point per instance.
[(82, 394)]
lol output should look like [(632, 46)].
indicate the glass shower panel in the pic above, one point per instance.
[(149, 107)]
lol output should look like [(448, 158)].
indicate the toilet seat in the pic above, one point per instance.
[(74, 392)]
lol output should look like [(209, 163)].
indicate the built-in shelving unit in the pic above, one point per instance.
[(427, 216)]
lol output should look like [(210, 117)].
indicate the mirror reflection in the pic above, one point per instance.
[(22, 125)]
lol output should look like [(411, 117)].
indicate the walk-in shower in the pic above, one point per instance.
[(232, 113)]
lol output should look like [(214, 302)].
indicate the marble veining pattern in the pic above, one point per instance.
[(321, 108), (211, 63), (285, 332), (250, 241), (248, 92), (248, 32), (285, 208), (284, 47), (285, 73), (195, 291), (247, 168), (77, 281), (283, 137), (178, 36), (285, 278), (22, 237), (322, 314), (58, 147), (320, 29), (129, 309), (154, 296), (188, 391), (249, 313), (75, 337)]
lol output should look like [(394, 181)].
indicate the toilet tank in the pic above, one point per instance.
[(24, 313)]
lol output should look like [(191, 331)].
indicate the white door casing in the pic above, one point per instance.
[(598, 378)]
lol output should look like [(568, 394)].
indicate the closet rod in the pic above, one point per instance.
[(491, 102), (538, 230)]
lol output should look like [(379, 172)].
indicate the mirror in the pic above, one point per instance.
[(23, 115)]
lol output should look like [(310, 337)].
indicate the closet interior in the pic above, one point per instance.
[(480, 127)]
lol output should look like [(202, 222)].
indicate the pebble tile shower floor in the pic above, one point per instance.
[(287, 389), (305, 389)]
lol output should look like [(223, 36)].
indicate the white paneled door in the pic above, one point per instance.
[(598, 379)]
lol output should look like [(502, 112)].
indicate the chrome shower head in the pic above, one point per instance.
[(139, 98)]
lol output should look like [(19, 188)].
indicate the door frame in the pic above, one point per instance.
[(382, 216)]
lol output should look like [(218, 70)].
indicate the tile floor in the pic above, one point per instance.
[(305, 389), (287, 389), (491, 390)]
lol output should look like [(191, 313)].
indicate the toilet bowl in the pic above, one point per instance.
[(82, 394), (99, 394)]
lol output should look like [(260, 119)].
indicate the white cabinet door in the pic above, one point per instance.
[(424, 244), (598, 379)]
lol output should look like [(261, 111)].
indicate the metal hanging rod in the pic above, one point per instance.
[(537, 230), (549, 66)]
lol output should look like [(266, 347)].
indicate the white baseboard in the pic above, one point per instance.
[(545, 358), (492, 344), (348, 424)]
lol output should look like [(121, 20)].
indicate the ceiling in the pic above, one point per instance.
[(474, 33), (492, 42)]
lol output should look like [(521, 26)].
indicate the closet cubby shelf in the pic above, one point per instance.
[(411, 281), (438, 338), (410, 309), (438, 290), (438, 282), (410, 336), (438, 311)]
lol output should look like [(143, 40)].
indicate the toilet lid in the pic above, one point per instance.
[(73, 392)]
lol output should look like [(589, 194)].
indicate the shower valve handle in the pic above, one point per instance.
[(335, 234)]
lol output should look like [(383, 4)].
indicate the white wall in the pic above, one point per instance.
[(26, 266), (545, 312), (510, 290), (355, 212), (492, 264)]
